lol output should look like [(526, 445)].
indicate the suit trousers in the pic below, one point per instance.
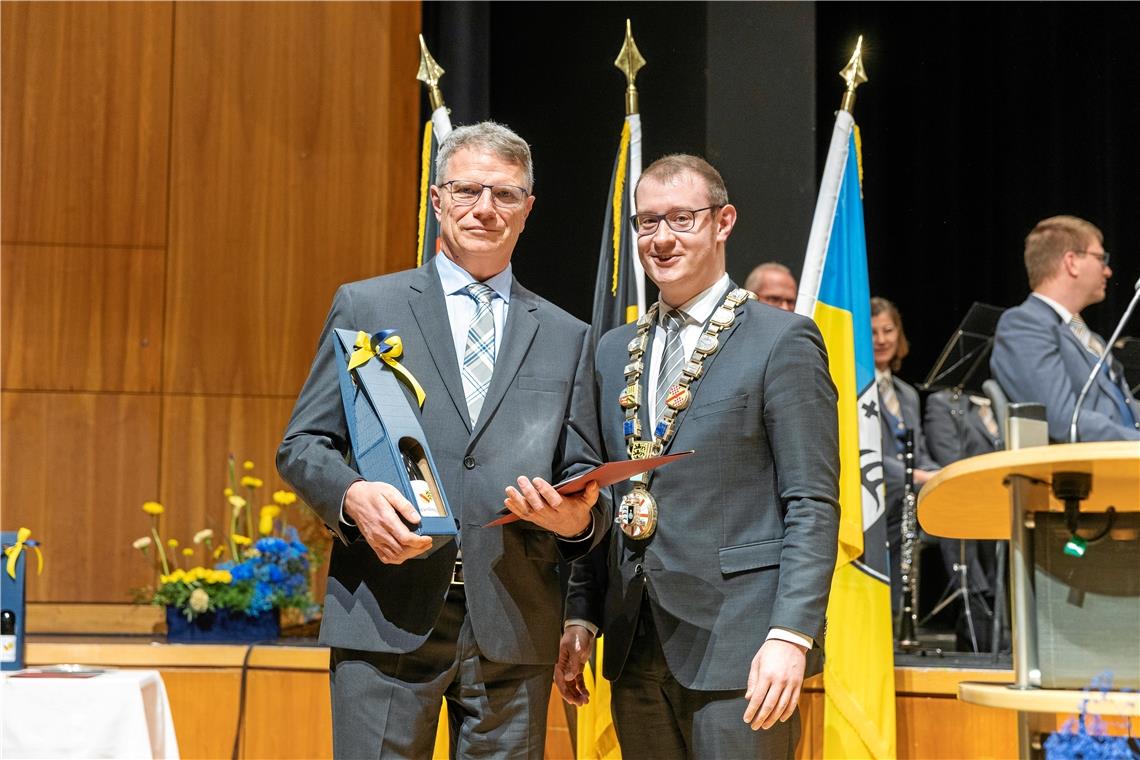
[(658, 718), (388, 705)]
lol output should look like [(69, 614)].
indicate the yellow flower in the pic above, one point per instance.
[(142, 543), (203, 535), (199, 600), (172, 543), (187, 552), (251, 482), (247, 465), (153, 508), (222, 576), (237, 501), (228, 492), (175, 577), (219, 551), (265, 523), (241, 540), (284, 498)]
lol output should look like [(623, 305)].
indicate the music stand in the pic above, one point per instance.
[(963, 366)]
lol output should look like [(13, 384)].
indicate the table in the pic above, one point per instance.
[(993, 496), (119, 714)]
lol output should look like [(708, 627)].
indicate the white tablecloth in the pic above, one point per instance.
[(118, 714)]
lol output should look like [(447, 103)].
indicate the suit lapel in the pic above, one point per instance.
[(429, 308), (1102, 379), (520, 330)]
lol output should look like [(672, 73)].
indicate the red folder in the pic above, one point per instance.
[(605, 474)]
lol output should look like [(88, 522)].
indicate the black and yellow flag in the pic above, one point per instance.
[(619, 292)]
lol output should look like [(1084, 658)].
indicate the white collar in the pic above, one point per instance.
[(455, 278), (701, 306), (1065, 315)]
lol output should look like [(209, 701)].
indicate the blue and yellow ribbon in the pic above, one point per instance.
[(388, 346), (13, 552)]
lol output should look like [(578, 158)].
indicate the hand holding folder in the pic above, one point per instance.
[(605, 474)]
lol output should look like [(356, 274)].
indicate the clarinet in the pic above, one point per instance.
[(908, 559)]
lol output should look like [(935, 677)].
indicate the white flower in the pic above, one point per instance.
[(202, 535), (141, 543), (199, 600)]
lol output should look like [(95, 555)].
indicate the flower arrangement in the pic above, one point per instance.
[(252, 573)]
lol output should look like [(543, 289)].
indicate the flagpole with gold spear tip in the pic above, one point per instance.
[(435, 130), (629, 61), (854, 75)]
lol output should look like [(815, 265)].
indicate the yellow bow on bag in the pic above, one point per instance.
[(14, 550), (388, 346)]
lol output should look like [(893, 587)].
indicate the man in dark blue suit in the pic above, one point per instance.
[(1043, 350)]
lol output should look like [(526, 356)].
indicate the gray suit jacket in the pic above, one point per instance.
[(954, 430), (748, 525), (1037, 358), (538, 420)]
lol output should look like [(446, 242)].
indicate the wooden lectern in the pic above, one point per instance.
[(994, 496)]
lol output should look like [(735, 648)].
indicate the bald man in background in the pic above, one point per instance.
[(774, 285)]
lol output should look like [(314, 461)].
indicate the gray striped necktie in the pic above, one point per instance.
[(671, 358), (1086, 336), (479, 355)]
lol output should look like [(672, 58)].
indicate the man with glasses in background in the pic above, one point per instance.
[(1044, 351), (498, 366), (773, 284), (718, 571)]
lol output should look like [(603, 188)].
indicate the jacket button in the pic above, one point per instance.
[(638, 570), (469, 462)]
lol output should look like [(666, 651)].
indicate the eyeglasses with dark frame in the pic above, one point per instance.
[(679, 220), (465, 192), (1104, 256)]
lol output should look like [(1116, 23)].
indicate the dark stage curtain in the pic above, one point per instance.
[(979, 120)]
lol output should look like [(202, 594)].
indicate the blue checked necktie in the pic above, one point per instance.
[(479, 355), (672, 358)]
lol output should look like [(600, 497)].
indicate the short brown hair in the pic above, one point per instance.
[(1050, 239), (883, 306), (670, 166)]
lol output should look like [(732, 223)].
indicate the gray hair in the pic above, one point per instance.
[(757, 274), (487, 137)]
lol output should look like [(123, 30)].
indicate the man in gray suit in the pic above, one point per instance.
[(507, 377), (717, 581), (1044, 351)]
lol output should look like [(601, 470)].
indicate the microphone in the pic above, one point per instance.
[(1100, 361)]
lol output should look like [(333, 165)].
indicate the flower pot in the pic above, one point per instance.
[(221, 626)]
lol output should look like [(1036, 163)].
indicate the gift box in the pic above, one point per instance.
[(388, 443), (12, 607)]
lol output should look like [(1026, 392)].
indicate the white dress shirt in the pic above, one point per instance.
[(461, 307)]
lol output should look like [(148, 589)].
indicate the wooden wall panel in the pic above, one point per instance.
[(197, 434), (86, 108), (76, 469), (81, 318), (294, 168), (931, 728)]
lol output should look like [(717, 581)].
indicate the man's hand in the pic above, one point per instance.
[(774, 682), (538, 502), (376, 509), (573, 652)]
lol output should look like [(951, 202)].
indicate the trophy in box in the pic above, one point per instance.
[(388, 443)]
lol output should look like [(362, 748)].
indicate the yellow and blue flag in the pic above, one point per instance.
[(435, 130), (858, 672)]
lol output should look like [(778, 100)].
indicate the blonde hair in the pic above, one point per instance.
[(1050, 239)]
